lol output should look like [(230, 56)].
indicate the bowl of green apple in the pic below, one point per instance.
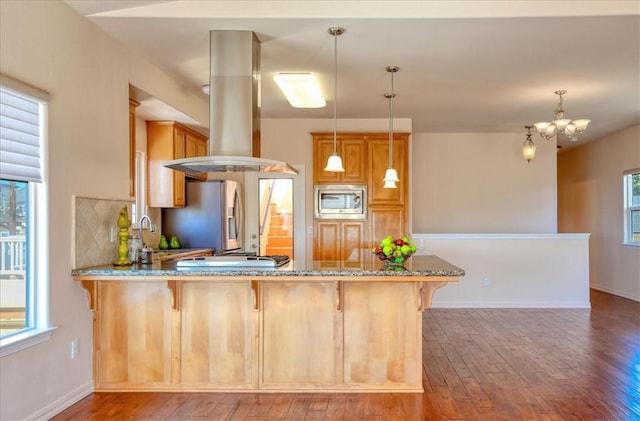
[(394, 251)]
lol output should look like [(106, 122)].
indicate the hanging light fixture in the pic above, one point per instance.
[(391, 175), (334, 163), (528, 147), (560, 124)]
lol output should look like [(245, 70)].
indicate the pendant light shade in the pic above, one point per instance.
[(391, 175), (334, 163), (528, 147)]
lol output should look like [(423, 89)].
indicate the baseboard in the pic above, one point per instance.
[(502, 304), (615, 292), (63, 403)]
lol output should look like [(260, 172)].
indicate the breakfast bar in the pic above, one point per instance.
[(329, 327)]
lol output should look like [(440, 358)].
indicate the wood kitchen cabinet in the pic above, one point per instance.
[(386, 220), (366, 159), (123, 356), (339, 243), (273, 333), (168, 140), (195, 145), (388, 310), (301, 333), (218, 329), (353, 151), (378, 164)]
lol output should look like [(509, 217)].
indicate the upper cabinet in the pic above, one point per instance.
[(168, 140), (378, 164), (353, 151), (195, 145)]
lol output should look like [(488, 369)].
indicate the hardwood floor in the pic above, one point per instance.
[(479, 364)]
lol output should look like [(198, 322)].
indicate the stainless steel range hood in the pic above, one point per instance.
[(234, 111)]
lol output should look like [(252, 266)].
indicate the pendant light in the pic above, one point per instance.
[(334, 163), (528, 147), (391, 176)]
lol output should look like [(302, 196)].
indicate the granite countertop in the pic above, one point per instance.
[(417, 265)]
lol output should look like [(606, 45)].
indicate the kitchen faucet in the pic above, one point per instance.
[(151, 227)]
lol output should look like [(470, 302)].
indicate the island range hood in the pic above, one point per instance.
[(234, 111)]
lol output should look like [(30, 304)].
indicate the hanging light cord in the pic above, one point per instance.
[(390, 96), (335, 32)]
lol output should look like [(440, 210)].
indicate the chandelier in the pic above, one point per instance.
[(560, 124)]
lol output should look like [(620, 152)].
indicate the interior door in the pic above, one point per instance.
[(255, 218)]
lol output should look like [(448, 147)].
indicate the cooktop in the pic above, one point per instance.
[(229, 261)]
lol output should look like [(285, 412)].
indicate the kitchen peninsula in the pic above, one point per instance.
[(157, 328)]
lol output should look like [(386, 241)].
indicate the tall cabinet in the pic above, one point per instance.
[(365, 157)]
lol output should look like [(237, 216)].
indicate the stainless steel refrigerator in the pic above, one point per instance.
[(212, 217)]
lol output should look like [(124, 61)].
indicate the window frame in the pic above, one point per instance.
[(37, 274), (629, 207)]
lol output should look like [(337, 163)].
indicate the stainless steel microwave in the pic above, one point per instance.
[(344, 201)]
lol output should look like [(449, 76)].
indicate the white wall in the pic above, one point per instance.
[(87, 73), (521, 270), (591, 200), (479, 183)]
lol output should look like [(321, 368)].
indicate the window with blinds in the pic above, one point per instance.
[(23, 225)]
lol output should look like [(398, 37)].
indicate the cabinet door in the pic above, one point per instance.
[(323, 149), (378, 164), (382, 335), (219, 344), (327, 236), (352, 148), (123, 357), (165, 142), (300, 336), (339, 244), (386, 220), (352, 244), (178, 176), (195, 146), (354, 159)]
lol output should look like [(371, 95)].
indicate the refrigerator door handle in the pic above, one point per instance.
[(239, 218)]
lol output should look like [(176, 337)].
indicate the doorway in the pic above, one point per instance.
[(275, 215)]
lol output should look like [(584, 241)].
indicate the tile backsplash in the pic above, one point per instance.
[(93, 220)]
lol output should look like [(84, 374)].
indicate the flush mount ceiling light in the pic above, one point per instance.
[(528, 147), (334, 163), (560, 124), (391, 175), (300, 89)]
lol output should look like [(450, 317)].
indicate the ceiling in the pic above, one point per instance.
[(465, 66)]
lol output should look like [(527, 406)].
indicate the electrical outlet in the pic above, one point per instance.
[(74, 349), (113, 234), (486, 282)]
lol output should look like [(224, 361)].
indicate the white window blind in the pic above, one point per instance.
[(20, 125)]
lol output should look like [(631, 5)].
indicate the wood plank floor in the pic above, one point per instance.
[(479, 364)]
